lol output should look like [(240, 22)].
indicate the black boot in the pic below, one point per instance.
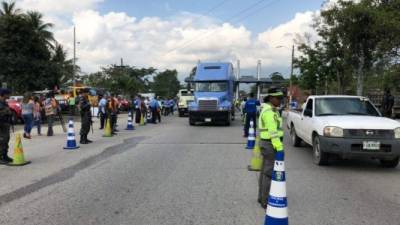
[(3, 160), (89, 141), (83, 140)]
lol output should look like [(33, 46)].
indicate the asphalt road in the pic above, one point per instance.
[(176, 174)]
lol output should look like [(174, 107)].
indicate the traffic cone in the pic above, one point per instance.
[(251, 140), (107, 129), (256, 159), (130, 124), (149, 116), (277, 213), (18, 157), (71, 142)]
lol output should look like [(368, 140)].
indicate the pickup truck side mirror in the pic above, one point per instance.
[(308, 112)]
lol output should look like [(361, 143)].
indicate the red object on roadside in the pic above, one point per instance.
[(16, 108)]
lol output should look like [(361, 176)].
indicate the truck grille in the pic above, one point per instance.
[(208, 105), (369, 134)]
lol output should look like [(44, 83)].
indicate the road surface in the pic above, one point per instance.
[(176, 174)]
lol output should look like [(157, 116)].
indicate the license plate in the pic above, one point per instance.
[(207, 119), (371, 145)]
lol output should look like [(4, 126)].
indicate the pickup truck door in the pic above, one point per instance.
[(307, 121)]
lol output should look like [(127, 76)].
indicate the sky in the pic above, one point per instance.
[(176, 34)]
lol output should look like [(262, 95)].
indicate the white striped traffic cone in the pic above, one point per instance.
[(71, 142), (277, 212), (130, 124), (251, 139)]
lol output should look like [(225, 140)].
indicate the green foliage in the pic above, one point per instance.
[(359, 43), (166, 84), (28, 60), (124, 80)]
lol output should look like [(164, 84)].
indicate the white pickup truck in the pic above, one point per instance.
[(348, 126)]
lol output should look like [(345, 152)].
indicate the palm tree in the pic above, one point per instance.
[(9, 9), (64, 66), (41, 28)]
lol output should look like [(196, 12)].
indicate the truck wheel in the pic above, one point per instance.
[(191, 121), (228, 120), (296, 141), (320, 157), (181, 114), (390, 163)]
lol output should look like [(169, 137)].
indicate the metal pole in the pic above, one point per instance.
[(237, 79), (74, 61), (291, 76), (258, 78)]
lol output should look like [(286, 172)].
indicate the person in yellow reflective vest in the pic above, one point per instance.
[(271, 135)]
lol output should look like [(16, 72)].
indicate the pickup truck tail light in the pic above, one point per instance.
[(397, 133), (333, 132)]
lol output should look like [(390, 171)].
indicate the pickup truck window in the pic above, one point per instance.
[(212, 86), (344, 106), (308, 111)]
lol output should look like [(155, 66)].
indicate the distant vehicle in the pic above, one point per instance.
[(16, 109), (123, 104), (214, 94), (185, 97), (348, 126)]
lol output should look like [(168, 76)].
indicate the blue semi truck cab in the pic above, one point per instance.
[(214, 85)]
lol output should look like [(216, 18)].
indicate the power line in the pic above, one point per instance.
[(231, 19)]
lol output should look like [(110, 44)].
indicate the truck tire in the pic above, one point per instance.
[(390, 163), (191, 121), (296, 141), (320, 157), (228, 120), (181, 114)]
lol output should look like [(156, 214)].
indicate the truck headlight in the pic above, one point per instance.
[(333, 132), (397, 133)]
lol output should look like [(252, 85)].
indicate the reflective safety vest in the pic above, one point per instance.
[(270, 126)]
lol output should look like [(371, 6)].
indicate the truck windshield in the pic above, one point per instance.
[(211, 87), (186, 93), (344, 106)]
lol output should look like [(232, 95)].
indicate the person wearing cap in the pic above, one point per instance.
[(86, 116), (271, 135), (250, 109), (5, 124)]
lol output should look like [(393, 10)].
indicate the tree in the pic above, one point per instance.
[(41, 28), (276, 76), (166, 84), (9, 9)]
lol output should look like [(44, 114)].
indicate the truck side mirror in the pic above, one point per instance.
[(308, 112)]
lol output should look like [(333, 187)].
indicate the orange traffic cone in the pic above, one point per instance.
[(18, 157)]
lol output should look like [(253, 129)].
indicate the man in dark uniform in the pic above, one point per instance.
[(86, 116), (387, 105), (5, 124)]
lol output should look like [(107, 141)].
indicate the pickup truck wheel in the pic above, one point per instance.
[(390, 163), (191, 121), (296, 141), (320, 157)]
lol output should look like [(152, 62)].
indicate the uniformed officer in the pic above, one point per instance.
[(86, 116), (5, 124), (250, 109), (271, 135)]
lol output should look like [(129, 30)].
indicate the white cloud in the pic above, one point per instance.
[(178, 42)]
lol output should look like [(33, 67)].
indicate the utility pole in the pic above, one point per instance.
[(237, 79), (74, 61), (291, 76), (258, 78), (122, 62)]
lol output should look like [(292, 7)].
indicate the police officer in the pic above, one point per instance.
[(271, 135), (86, 116), (5, 124), (250, 109)]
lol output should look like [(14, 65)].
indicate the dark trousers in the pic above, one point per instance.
[(113, 122), (71, 109), (4, 139), (250, 117), (103, 117), (264, 183), (138, 116), (158, 113), (85, 126), (154, 115), (50, 121)]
